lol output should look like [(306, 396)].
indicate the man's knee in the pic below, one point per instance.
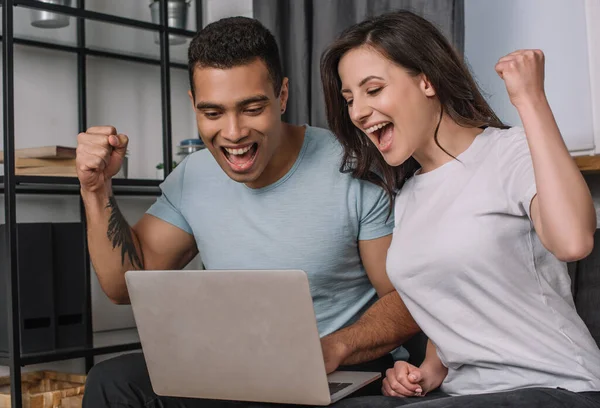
[(122, 379)]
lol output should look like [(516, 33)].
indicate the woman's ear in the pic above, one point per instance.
[(426, 86)]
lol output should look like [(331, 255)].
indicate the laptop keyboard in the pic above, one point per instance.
[(337, 386)]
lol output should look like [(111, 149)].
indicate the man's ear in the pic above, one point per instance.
[(426, 86), (284, 94)]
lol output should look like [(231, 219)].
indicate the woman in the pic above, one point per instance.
[(486, 217)]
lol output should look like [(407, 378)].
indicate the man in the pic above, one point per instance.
[(263, 195)]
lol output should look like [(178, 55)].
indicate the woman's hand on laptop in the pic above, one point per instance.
[(406, 380)]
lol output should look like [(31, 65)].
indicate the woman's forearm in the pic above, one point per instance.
[(564, 215), (432, 367)]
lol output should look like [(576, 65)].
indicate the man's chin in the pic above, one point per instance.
[(242, 178), (238, 176)]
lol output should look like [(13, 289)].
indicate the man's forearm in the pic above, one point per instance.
[(113, 246), (382, 328)]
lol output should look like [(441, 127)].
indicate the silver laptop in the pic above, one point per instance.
[(235, 335)]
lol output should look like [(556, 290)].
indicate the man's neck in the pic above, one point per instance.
[(284, 157)]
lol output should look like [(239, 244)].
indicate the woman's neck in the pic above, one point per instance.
[(455, 139)]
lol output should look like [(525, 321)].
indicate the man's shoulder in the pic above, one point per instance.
[(323, 137), (323, 148), (197, 170), (202, 162), (326, 156)]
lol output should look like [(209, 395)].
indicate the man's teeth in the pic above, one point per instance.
[(238, 152), (375, 127)]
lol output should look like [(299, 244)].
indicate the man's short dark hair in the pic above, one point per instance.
[(235, 41)]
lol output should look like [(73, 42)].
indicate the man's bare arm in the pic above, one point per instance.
[(115, 247), (121, 236), (383, 327)]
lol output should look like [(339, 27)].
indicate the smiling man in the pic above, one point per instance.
[(264, 195)]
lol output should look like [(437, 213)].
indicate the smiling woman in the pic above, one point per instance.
[(485, 217), (402, 83)]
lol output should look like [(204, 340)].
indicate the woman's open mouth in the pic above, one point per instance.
[(383, 134), (241, 158)]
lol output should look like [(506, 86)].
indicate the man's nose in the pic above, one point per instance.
[(233, 132)]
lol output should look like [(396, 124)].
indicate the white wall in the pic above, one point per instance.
[(123, 94), (213, 10), (558, 27)]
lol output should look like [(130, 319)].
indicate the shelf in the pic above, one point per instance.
[(70, 185), (109, 338), (126, 9), (102, 17), (130, 37), (95, 52), (68, 354), (105, 35), (108, 342), (588, 164)]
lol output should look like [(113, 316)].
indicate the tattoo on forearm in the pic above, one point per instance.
[(121, 236)]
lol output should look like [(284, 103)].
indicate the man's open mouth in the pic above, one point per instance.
[(240, 158)]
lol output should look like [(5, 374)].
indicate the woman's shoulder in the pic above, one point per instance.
[(507, 143), (505, 135)]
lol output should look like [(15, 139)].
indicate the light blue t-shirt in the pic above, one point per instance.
[(311, 219)]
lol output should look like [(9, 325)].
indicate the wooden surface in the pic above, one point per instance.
[(588, 164), (46, 389), (44, 152)]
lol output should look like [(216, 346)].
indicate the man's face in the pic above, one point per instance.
[(239, 118)]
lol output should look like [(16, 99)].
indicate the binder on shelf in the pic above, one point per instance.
[(51, 287), (36, 294), (69, 284), (4, 271), (36, 287)]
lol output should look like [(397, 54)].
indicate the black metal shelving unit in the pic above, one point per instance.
[(11, 184)]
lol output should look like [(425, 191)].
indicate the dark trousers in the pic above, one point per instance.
[(524, 398), (124, 382)]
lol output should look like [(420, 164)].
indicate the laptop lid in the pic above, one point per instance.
[(190, 325)]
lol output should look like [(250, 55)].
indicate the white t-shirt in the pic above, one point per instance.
[(472, 271)]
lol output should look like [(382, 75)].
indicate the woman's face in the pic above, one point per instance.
[(396, 110)]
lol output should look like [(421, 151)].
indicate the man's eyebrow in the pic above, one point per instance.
[(252, 99), (209, 105), (364, 81), (239, 104)]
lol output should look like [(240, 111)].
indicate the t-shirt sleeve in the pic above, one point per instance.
[(376, 220), (516, 172), (168, 206)]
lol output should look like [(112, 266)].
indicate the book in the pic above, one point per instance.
[(22, 162), (44, 152), (46, 171)]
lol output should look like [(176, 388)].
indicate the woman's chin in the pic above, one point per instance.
[(395, 159)]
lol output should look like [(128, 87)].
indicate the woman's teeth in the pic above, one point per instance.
[(376, 127), (238, 152)]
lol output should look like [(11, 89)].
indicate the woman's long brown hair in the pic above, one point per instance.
[(417, 45)]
